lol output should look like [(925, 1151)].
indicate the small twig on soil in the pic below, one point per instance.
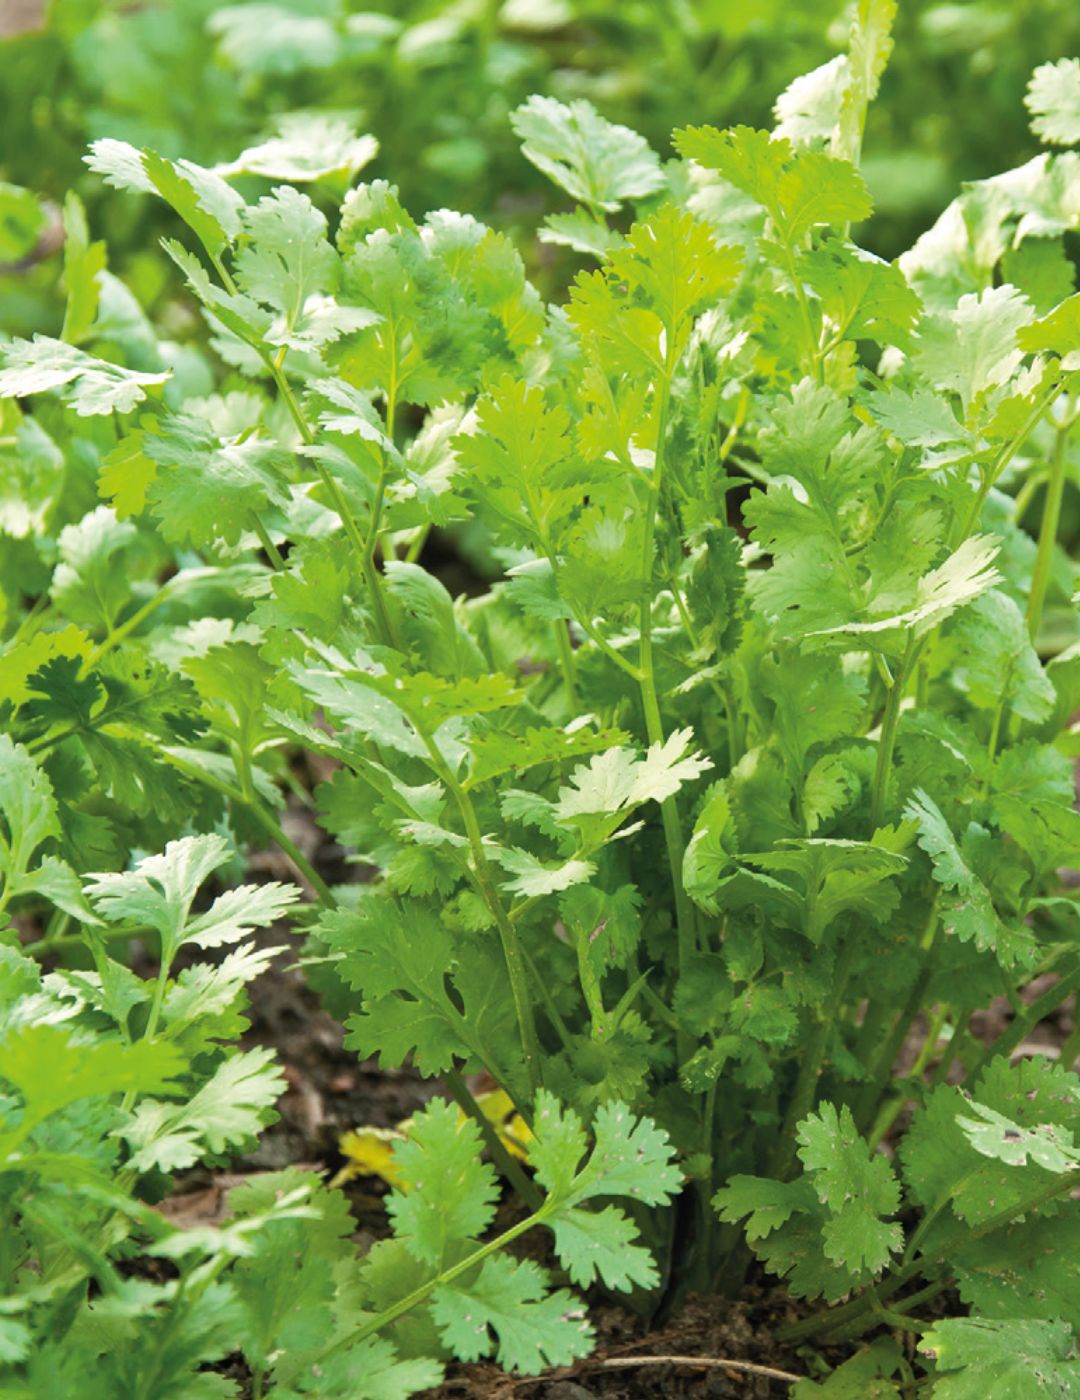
[(627, 1363), (624, 1362)]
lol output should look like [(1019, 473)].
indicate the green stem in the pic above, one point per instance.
[(1004, 456), (371, 575), (813, 1057), (508, 936), (1026, 1022), (812, 352), (1048, 530), (117, 634), (420, 1295), (546, 999), (511, 1170), (686, 934), (887, 743), (1071, 1049), (265, 819), (269, 547), (561, 629)]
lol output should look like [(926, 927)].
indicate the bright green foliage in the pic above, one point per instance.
[(1015, 1359), (91, 386), (738, 764), (1053, 99), (853, 1191)]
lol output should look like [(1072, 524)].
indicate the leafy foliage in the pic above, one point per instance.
[(744, 757)]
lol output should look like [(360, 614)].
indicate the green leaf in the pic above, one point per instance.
[(209, 207), (1027, 1269), (1053, 99), (207, 488), (30, 818), (228, 1110), (593, 160), (506, 1311), (996, 663), (21, 222), (160, 890), (1058, 331), (967, 909), (425, 992), (976, 346), (51, 1069), (629, 1157), (675, 265), (966, 573), (447, 1194), (370, 1371), (863, 1376), (857, 1186), (90, 386), (766, 1205), (430, 623), (306, 146), (90, 584), (800, 190), (614, 783), (1010, 1359), (869, 46), (287, 259), (992, 1134), (1041, 1103), (534, 878)]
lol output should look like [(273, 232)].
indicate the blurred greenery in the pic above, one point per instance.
[(435, 82)]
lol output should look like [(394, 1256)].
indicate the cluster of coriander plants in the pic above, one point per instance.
[(747, 778)]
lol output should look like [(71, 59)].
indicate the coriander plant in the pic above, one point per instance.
[(742, 783)]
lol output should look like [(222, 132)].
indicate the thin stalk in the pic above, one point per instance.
[(992, 742), (561, 629), (52, 942), (1004, 456), (510, 1169), (812, 350), (895, 1316), (513, 953), (1071, 1049), (265, 819), (881, 1070), (421, 1294), (1048, 529), (815, 1046), (669, 812), (546, 999), (340, 505), (269, 547), (1023, 1024), (957, 1044), (887, 742), (117, 634)]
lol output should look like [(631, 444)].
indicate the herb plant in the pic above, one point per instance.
[(746, 778)]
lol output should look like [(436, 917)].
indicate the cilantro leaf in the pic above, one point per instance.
[(593, 160), (1053, 99), (506, 1311), (91, 386), (1011, 1358), (857, 1189), (445, 1193)]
